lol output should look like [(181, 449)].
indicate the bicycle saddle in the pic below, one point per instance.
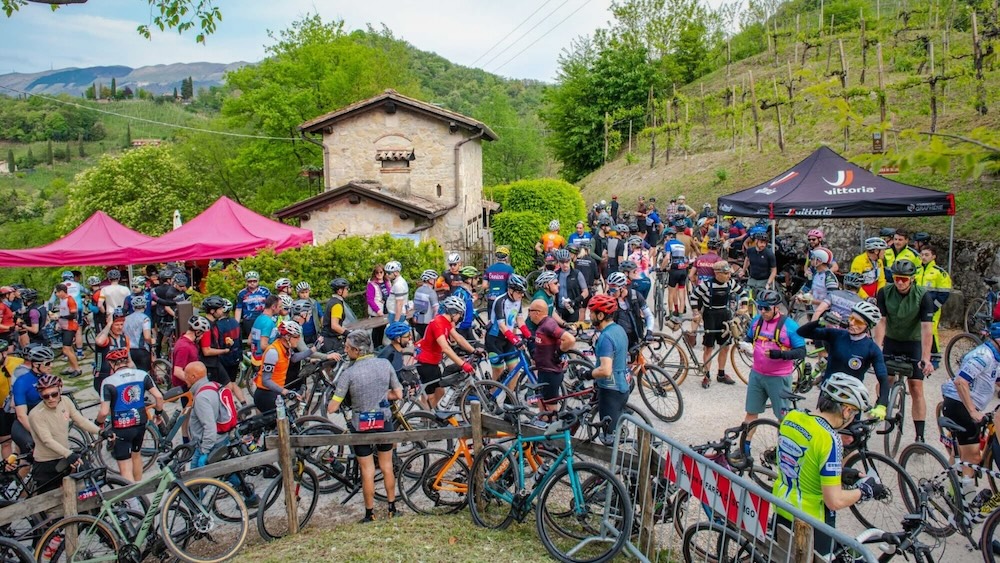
[(945, 422), (514, 409), (535, 386), (97, 473), (444, 414), (789, 396), (992, 282)]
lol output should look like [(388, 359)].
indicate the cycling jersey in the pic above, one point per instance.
[(496, 277), (274, 369), (613, 343), (821, 285), (506, 310), (906, 254), (425, 304), (398, 296), (264, 326), (809, 458), (551, 241), (872, 273), (980, 369), (583, 239), (22, 391), (470, 309), (126, 391), (103, 367), (677, 252), (428, 349), (842, 302), (252, 302), (703, 265), (851, 355)]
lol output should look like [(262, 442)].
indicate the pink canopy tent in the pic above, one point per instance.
[(98, 241), (224, 230)]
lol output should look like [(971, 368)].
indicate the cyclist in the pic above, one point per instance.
[(675, 262), (111, 337), (450, 278), (50, 431), (611, 375), (616, 246), (92, 303), (463, 291), (212, 342), (600, 243), (852, 351), (712, 298), (586, 265), (139, 289), (899, 249), (371, 383), (123, 398), (551, 240), (284, 306), (283, 286), (399, 293), (425, 302), (434, 346), (810, 457), (138, 329), (705, 263), (9, 365), (921, 240), (496, 275), (301, 312), (272, 377), (376, 293), (633, 314), (231, 337), (907, 329), (310, 330), (69, 326), (842, 300), (399, 334), (34, 317), (187, 350), (505, 318), (250, 302), (938, 283), (968, 394), (871, 267), (814, 240), (547, 290), (337, 314), (817, 290), (573, 287), (166, 297), (759, 263), (114, 294), (550, 342), (24, 395), (264, 328)]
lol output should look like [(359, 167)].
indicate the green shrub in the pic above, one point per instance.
[(497, 194), (550, 198), (519, 230)]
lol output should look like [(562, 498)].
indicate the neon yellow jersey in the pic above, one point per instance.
[(809, 458), (7, 376)]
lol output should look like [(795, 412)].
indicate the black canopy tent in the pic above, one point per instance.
[(826, 185)]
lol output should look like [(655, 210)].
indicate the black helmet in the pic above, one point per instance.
[(338, 283), (212, 302), (181, 279), (768, 298), (904, 268), (517, 283), (886, 232), (604, 222), (29, 295), (714, 243)]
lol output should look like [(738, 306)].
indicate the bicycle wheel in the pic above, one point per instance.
[(89, 337), (959, 345), (896, 408), (708, 541), (928, 468), (674, 360), (492, 395), (741, 362), (94, 540), (759, 441), (601, 513), (661, 394), (160, 370), (189, 527), (423, 420), (990, 543), (440, 484), (12, 551), (272, 516), (493, 486), (901, 491), (977, 315), (328, 461)]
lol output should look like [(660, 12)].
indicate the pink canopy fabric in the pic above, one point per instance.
[(98, 241), (224, 230)]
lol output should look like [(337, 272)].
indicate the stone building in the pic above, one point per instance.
[(399, 165)]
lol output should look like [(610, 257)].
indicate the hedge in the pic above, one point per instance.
[(550, 198), (520, 231)]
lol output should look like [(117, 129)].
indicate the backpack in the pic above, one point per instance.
[(777, 329), (226, 419)]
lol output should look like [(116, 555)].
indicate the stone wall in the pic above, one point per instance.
[(367, 218)]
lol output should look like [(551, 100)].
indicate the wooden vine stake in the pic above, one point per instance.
[(652, 132), (977, 61), (790, 88), (753, 108), (777, 109)]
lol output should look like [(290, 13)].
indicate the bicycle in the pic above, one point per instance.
[(906, 542), (979, 311), (272, 516), (900, 368), (676, 353), (583, 511), (190, 525), (957, 348)]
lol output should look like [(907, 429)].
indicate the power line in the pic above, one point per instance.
[(573, 13), (150, 121), (515, 42), (509, 33)]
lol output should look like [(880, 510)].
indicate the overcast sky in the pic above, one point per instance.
[(103, 32)]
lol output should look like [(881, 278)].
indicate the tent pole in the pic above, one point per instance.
[(131, 275), (951, 244), (861, 222)]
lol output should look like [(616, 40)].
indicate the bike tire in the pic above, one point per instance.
[(674, 360), (896, 408), (902, 491), (977, 315), (12, 551), (708, 541), (959, 345), (492, 395), (186, 542), (661, 394), (423, 420), (759, 441), (326, 459), (493, 483), (160, 371), (151, 441), (605, 533), (991, 538), (440, 482), (94, 539), (272, 516), (926, 466), (741, 363)]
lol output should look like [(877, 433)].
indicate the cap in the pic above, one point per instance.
[(614, 197)]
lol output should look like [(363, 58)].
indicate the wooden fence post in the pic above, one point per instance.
[(287, 479), (647, 537), (69, 509), (477, 428), (802, 544)]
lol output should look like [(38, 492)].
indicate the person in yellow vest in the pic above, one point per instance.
[(271, 378), (870, 266), (8, 363), (899, 249), (938, 283)]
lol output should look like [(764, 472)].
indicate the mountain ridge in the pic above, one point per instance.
[(158, 79)]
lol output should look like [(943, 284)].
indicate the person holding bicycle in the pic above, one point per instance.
[(399, 334), (611, 376), (434, 346), (50, 424), (907, 329), (273, 374), (505, 317), (710, 301), (371, 383)]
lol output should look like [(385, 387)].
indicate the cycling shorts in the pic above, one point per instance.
[(957, 412), (128, 441), (678, 278)]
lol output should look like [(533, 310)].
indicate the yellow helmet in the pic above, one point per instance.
[(502, 251)]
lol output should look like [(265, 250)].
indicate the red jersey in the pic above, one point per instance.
[(6, 318), (430, 351), (185, 352)]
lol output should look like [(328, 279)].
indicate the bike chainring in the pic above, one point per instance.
[(129, 554)]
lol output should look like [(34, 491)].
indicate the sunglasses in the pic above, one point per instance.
[(813, 240), (902, 278), (46, 364), (54, 395)]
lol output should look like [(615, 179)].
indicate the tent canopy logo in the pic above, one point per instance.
[(784, 179), (766, 191), (844, 179)]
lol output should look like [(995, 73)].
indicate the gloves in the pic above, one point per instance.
[(525, 333), (878, 411), (509, 335), (106, 432), (467, 367), (73, 458), (585, 375), (849, 476), (775, 354), (871, 488), (649, 335), (746, 347)]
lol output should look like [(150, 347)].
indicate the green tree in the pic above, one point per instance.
[(128, 135), (519, 151), (175, 92), (29, 160), (91, 92), (187, 88), (79, 143), (140, 188), (10, 161), (48, 153), (114, 88), (69, 153), (528, 206)]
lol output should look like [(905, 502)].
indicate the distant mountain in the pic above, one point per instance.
[(158, 79)]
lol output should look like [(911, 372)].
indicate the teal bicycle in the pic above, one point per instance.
[(582, 511)]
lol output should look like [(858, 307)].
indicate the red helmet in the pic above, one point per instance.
[(603, 303), (117, 355)]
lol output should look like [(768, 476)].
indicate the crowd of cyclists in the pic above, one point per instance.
[(884, 301)]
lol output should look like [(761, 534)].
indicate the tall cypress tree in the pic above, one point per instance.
[(29, 161), (128, 135), (49, 157), (69, 153), (10, 161), (114, 88)]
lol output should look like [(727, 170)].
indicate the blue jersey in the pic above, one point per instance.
[(23, 391), (496, 276), (126, 390), (579, 239), (470, 309), (264, 326), (251, 303), (129, 309), (613, 343)]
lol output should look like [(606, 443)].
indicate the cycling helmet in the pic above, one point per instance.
[(92, 281), (815, 233), (767, 298), (603, 303), (210, 303), (40, 354), (628, 266), (227, 305), (198, 323), (554, 225), (517, 283), (469, 272), (118, 313), (118, 355), (393, 267), (700, 223), (290, 328), (562, 255), (138, 302), (282, 283), (617, 279), (867, 311), (453, 258), (502, 251), (921, 237), (67, 275), (604, 222), (853, 280), (604, 203), (453, 305), (875, 243), (139, 281), (300, 307), (286, 301), (994, 329), (622, 228), (396, 330), (903, 268), (574, 248), (760, 235), (48, 380), (114, 275), (714, 243), (166, 274), (429, 276), (302, 286), (338, 283), (722, 266), (28, 295), (634, 241), (886, 232), (251, 276), (711, 215), (822, 254), (706, 206), (181, 279), (845, 389), (550, 258), (545, 278)]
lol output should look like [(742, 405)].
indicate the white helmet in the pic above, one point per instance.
[(618, 279), (453, 304), (199, 324), (554, 225), (867, 311), (454, 258), (290, 328), (286, 301), (875, 243), (282, 283), (429, 276), (844, 388), (545, 278), (393, 267)]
